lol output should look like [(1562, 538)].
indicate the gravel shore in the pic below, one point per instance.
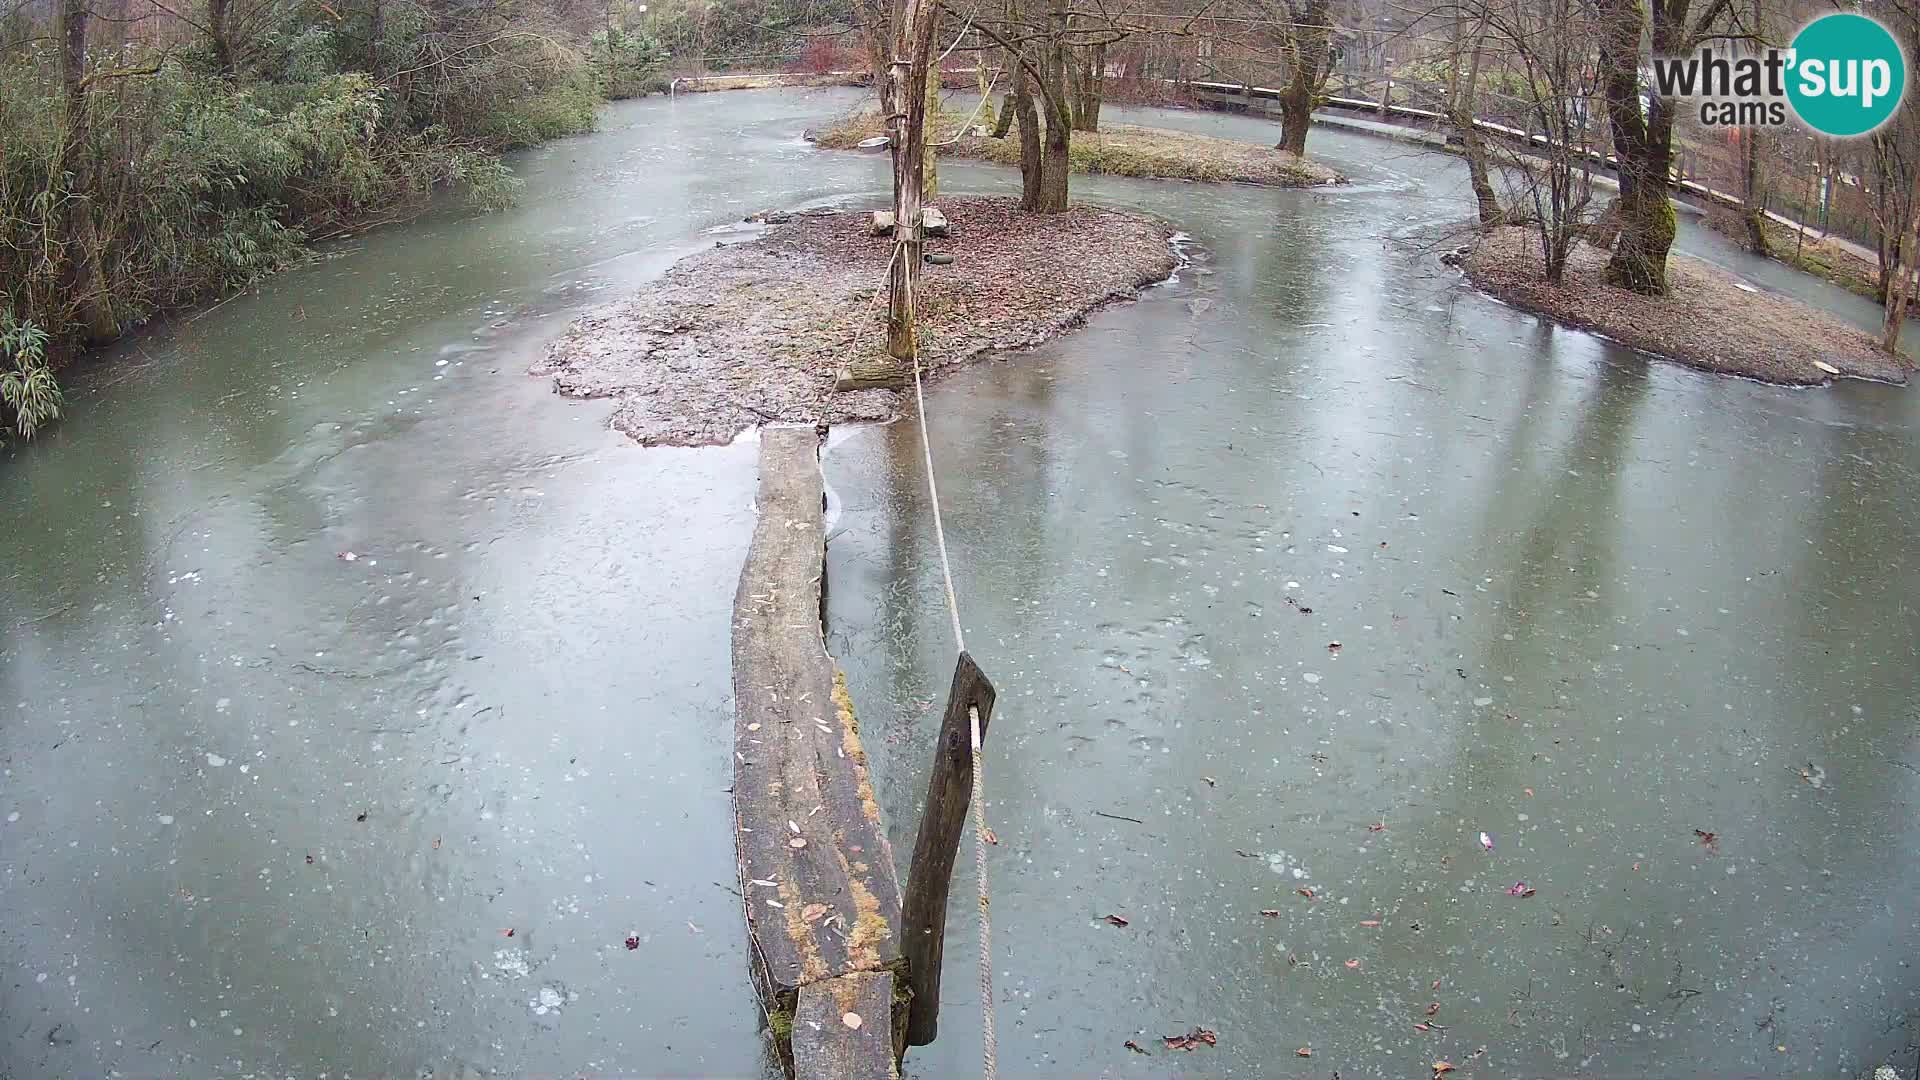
[(756, 331)]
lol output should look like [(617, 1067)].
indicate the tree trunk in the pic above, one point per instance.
[(1090, 88), (1058, 110), (377, 41), (1888, 210), (874, 36), (1004, 121), (929, 166), (1753, 198), (912, 46), (1033, 165), (219, 32), (1643, 147), (1307, 57), (985, 87), (87, 285), (1462, 101), (1900, 288)]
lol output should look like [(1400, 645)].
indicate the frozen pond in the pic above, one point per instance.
[(268, 809)]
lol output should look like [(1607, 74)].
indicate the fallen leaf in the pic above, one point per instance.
[(1369, 922), (1305, 1051), (852, 1020), (309, 860), (436, 843), (1306, 892), (1440, 1068), (814, 912), (1378, 826), (1191, 1039), (1518, 888), (1435, 986), (1528, 894), (1529, 792), (1433, 1008), (1486, 841), (1333, 646), (1211, 782), (1353, 963), (1137, 1048), (1423, 1027), (991, 838), (347, 556), (508, 931), (1115, 920), (1271, 913), (1710, 841)]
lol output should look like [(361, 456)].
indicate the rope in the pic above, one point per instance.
[(984, 98), (990, 1067), (988, 1043), (939, 528)]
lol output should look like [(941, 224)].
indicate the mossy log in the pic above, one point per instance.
[(816, 870)]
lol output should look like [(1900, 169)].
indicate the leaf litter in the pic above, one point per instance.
[(1197, 1037)]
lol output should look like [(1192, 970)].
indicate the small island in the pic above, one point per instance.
[(757, 331), (1114, 150), (1707, 319)]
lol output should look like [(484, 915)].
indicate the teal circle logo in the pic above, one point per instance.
[(1848, 75)]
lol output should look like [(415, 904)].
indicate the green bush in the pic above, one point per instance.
[(565, 108), (626, 63), (27, 386), (190, 183)]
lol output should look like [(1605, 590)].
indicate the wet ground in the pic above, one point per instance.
[(1659, 601)]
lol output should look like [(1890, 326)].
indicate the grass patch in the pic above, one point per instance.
[(1117, 150), (1814, 255)]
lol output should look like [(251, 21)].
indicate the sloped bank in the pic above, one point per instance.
[(1706, 320), (755, 332)]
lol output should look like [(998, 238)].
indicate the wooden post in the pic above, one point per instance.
[(949, 791)]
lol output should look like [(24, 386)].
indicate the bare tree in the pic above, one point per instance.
[(1643, 133), (1900, 285), (1462, 97), (87, 289), (1306, 33), (1547, 44), (1089, 76)]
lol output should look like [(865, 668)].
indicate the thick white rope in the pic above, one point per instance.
[(984, 98), (988, 1043)]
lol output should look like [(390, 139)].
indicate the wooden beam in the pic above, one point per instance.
[(816, 871), (942, 819)]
